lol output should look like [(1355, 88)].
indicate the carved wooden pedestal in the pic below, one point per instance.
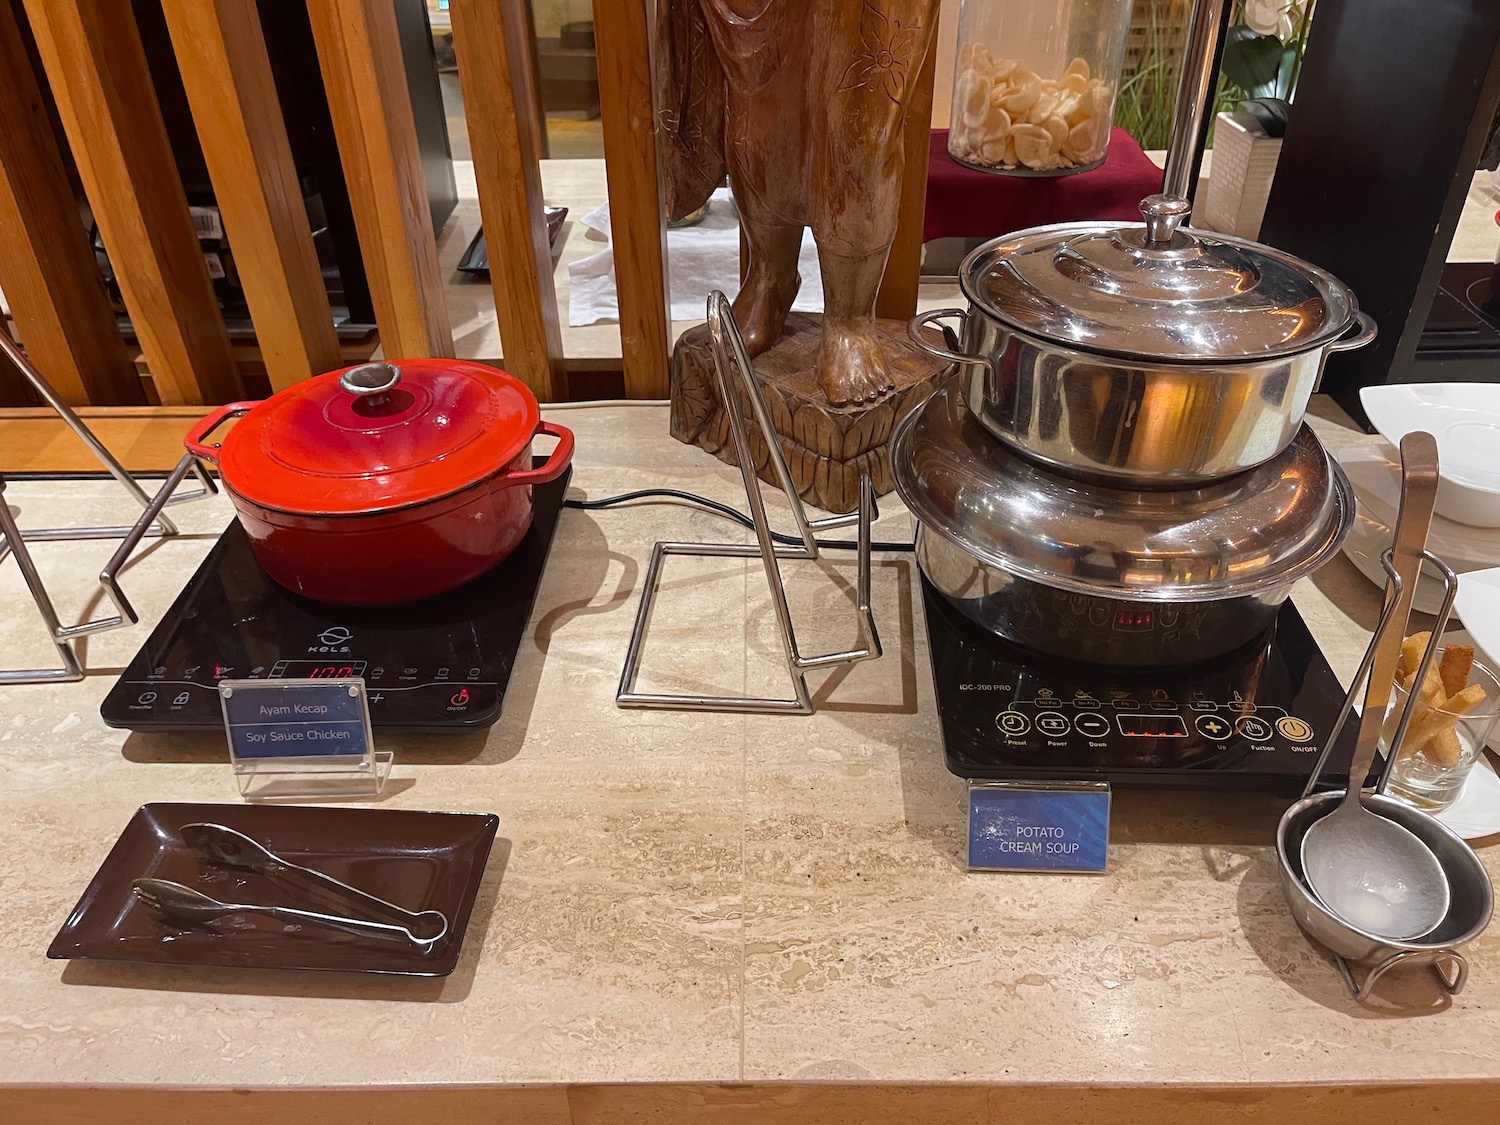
[(826, 447)]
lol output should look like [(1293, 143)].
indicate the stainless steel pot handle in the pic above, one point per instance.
[(954, 352), (1367, 330)]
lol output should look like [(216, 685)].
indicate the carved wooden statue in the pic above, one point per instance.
[(802, 102)]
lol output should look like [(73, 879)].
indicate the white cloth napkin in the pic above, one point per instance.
[(700, 259)]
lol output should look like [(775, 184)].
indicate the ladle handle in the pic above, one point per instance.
[(1419, 483)]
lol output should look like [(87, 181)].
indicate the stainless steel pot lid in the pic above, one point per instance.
[(1156, 290), (1253, 531)]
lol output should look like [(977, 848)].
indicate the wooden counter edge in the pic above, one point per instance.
[(760, 1103)]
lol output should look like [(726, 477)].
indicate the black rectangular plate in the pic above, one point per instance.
[(417, 860)]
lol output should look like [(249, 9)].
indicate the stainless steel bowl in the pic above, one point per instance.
[(1144, 354), (1472, 898)]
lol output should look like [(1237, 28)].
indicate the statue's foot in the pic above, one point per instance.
[(761, 309), (851, 365)]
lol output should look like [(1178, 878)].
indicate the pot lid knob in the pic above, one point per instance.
[(374, 382), (1163, 215)]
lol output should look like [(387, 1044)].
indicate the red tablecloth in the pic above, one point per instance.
[(963, 203)]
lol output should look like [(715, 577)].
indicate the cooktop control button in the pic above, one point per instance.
[(1257, 730), (1012, 723), (1213, 727), (1091, 724), (1294, 729), (460, 698), (1203, 705), (1053, 723)]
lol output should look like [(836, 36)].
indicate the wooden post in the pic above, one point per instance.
[(47, 270), (494, 71), (532, 112), (227, 74), (92, 54), (898, 288), (359, 53), (637, 226)]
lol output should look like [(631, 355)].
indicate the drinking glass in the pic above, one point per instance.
[(1429, 782)]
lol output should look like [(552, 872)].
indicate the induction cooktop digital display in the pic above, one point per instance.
[(439, 663), (1256, 719)]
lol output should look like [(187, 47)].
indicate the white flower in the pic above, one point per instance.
[(1264, 16), (1274, 17)]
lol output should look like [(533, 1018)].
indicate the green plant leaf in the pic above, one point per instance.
[(1252, 61), (1285, 71)]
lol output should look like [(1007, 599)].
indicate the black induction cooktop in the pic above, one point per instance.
[(1254, 720), (439, 663)]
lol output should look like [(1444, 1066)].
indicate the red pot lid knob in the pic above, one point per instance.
[(379, 436)]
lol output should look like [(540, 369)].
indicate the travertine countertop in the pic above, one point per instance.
[(696, 898)]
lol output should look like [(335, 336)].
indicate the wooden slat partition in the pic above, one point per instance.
[(898, 288), (47, 269), (494, 69), (359, 53), (622, 33), (221, 54), (92, 54)]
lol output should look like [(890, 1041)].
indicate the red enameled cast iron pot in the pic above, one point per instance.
[(385, 482)]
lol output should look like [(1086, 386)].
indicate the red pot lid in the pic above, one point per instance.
[(379, 436)]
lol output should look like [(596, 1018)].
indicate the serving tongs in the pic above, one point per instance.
[(424, 930)]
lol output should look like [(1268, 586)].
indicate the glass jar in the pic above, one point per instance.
[(1034, 88)]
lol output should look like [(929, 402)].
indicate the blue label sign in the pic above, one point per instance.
[(296, 718), (1053, 826)]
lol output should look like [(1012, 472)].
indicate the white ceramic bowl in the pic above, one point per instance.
[(1465, 419)]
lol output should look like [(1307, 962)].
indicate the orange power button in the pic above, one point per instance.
[(1294, 729), (460, 697)]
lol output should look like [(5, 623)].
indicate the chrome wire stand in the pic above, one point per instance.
[(729, 351), (1452, 981), (153, 523), (1439, 623)]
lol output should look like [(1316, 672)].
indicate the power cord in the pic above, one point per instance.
[(677, 496)]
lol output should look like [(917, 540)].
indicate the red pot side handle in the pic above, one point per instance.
[(195, 436), (557, 462)]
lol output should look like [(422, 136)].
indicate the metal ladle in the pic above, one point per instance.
[(1376, 875)]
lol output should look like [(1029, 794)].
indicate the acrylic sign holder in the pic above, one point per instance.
[(729, 351), (294, 769), (153, 523)]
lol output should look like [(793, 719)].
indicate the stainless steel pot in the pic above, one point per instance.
[(1145, 353), (1109, 575), (1119, 632)]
